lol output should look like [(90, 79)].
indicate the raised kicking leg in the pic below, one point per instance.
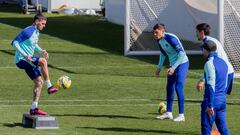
[(44, 69)]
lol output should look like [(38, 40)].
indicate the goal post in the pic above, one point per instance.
[(221, 21), (142, 15)]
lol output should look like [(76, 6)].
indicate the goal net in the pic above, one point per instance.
[(180, 18), (232, 32)]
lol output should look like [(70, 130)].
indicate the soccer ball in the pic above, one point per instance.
[(162, 108), (64, 82)]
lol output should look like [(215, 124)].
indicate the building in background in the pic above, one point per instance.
[(51, 5)]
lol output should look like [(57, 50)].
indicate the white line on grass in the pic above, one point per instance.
[(87, 105), (103, 66), (236, 82), (199, 74), (79, 100), (195, 73), (7, 67), (76, 67), (102, 100)]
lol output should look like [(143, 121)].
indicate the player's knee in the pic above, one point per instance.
[(38, 82), (179, 85), (181, 98), (41, 82), (42, 61)]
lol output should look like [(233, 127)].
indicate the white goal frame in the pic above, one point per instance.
[(127, 27), (225, 20)]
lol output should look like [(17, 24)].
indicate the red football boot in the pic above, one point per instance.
[(37, 111), (52, 90)]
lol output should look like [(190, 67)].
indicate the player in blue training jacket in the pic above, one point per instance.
[(203, 31), (26, 43), (171, 47), (213, 108)]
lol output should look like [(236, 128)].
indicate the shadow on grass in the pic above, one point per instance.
[(198, 60), (89, 31), (10, 8), (85, 30), (67, 70), (13, 125), (12, 52), (136, 130), (99, 116), (9, 52), (199, 101)]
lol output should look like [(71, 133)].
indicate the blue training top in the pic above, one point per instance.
[(215, 73), (26, 43), (171, 46)]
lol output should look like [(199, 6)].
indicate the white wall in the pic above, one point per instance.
[(80, 4), (115, 11)]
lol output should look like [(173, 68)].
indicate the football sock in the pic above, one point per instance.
[(34, 105), (182, 115), (48, 83)]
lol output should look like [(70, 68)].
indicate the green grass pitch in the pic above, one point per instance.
[(110, 95)]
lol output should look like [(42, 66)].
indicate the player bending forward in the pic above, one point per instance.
[(171, 47)]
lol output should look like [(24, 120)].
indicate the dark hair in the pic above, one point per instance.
[(210, 46), (159, 26), (39, 17), (204, 27)]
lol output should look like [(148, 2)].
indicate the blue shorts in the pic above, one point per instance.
[(31, 68)]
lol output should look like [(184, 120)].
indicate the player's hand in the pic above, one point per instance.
[(45, 54), (170, 71), (28, 58), (158, 72), (200, 85), (210, 111)]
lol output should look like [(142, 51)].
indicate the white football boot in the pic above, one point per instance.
[(167, 115), (180, 118)]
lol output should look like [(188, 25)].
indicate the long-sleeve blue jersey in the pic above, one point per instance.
[(171, 46), (221, 53), (26, 43), (215, 73)]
